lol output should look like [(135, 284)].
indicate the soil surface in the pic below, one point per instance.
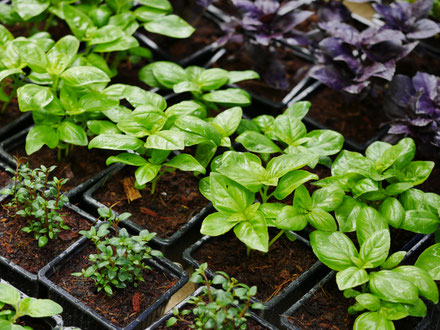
[(5, 178), (128, 73), (418, 61), (80, 165), (359, 120), (432, 184), (237, 58), (57, 31), (125, 304), (270, 272), (22, 249), (176, 201), (11, 112)]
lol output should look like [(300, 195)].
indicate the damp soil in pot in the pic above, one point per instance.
[(176, 200), (270, 272)]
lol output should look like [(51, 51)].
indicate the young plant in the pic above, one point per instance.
[(385, 295), (119, 260), (286, 133), (384, 178), (16, 56), (204, 84), (412, 104), (39, 200), (21, 307), (231, 188), (217, 308)]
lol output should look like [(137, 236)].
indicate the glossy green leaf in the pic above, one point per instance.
[(372, 320), (254, 233), (166, 140), (80, 76), (290, 218), (41, 135), (73, 134), (79, 23), (229, 97), (429, 260), (185, 162), (328, 198), (228, 120), (9, 295), (368, 221), (281, 165), (390, 286), (33, 97), (237, 76), (351, 277), (324, 142), (257, 142), (126, 158), (172, 26), (27, 9), (322, 220), (421, 279), (61, 55), (146, 173), (216, 224), (292, 180), (393, 211), (289, 129), (116, 142), (347, 213), (420, 221), (43, 308), (374, 250)]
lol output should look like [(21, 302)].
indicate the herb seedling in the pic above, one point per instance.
[(391, 293), (23, 307), (120, 260), (217, 308), (39, 200)]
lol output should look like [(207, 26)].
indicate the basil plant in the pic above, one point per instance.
[(384, 292), (384, 178), (16, 55), (159, 134), (287, 134), (204, 84), (65, 98), (237, 177)]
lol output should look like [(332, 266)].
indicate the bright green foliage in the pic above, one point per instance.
[(119, 260), (23, 307), (39, 200), (217, 308), (286, 133), (391, 293), (204, 84)]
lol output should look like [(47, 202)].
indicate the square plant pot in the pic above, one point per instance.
[(187, 232), (161, 323), (26, 279), (15, 126), (82, 170), (286, 292), (53, 322), (80, 314)]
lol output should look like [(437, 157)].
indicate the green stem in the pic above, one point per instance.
[(48, 22), (276, 238), (58, 153), (248, 251), (263, 194), (55, 83)]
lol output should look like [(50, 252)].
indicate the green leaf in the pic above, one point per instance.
[(72, 134), (429, 260), (393, 311), (126, 158), (32, 54), (228, 120), (328, 198), (368, 301), (185, 162), (172, 26), (166, 140), (33, 97), (121, 44), (80, 76), (27, 9), (390, 286), (43, 308), (106, 34), (9, 295), (229, 196), (290, 218), (324, 142), (347, 213), (6, 73), (237, 76), (41, 135), (374, 250), (186, 86), (421, 280), (289, 129), (292, 180), (372, 320), (351, 277), (368, 221), (212, 79), (335, 250), (116, 142), (79, 23), (199, 127), (416, 172), (168, 74), (146, 173), (322, 220), (216, 224), (102, 127), (62, 54), (351, 162), (393, 211), (281, 165), (253, 232), (420, 221), (228, 97), (298, 110), (257, 142), (393, 260)]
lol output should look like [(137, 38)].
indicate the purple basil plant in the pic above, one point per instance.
[(348, 60), (413, 105), (261, 22)]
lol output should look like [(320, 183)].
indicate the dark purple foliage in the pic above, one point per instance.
[(413, 105), (409, 18), (348, 59), (204, 3), (261, 22)]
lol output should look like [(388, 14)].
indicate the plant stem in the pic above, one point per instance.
[(276, 237), (48, 22), (248, 251), (263, 194)]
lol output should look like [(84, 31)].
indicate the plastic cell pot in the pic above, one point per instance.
[(54, 322), (184, 304), (16, 125), (20, 277), (168, 245), (79, 314), (18, 141), (281, 300)]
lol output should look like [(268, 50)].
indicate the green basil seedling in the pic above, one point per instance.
[(39, 200), (389, 294), (286, 133), (119, 260), (19, 307), (203, 84), (224, 307)]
